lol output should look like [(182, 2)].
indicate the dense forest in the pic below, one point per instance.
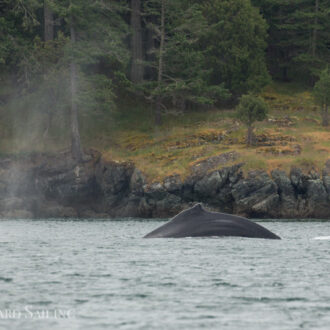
[(64, 60)]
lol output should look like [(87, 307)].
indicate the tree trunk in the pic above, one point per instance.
[(48, 23), (314, 38), (76, 149), (158, 114), (49, 120), (50, 112), (137, 68), (250, 136), (325, 116), (285, 74), (150, 73)]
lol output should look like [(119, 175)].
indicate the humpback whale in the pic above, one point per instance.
[(197, 222)]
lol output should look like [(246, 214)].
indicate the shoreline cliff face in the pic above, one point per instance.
[(54, 186)]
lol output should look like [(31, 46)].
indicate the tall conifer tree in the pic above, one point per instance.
[(96, 33)]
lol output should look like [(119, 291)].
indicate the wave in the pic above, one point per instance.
[(323, 238)]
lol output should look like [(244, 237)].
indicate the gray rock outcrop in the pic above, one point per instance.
[(50, 186)]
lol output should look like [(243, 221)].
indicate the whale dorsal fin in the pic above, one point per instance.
[(186, 215), (198, 207)]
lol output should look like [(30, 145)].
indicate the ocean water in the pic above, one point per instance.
[(73, 274)]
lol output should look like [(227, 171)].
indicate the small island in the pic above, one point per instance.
[(142, 109)]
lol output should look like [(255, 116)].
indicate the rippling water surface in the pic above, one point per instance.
[(102, 275)]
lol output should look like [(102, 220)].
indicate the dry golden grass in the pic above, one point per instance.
[(181, 143), (186, 139), (319, 136)]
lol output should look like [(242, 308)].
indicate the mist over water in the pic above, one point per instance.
[(103, 275)]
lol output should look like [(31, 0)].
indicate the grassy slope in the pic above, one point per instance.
[(293, 124), (184, 139)]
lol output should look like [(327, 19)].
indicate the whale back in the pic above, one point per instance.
[(197, 222)]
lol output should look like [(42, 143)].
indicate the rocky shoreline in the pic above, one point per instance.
[(54, 186)]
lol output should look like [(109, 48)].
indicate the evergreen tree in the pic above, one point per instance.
[(235, 43), (48, 22), (299, 33), (322, 95), (48, 47), (182, 75), (137, 67), (249, 110), (96, 32), (19, 25), (187, 69)]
